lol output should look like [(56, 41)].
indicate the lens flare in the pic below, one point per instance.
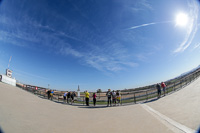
[(181, 19)]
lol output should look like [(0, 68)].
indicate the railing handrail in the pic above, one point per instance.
[(131, 96)]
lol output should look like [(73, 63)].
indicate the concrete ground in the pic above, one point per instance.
[(23, 112)]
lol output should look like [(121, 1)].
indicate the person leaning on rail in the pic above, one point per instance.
[(164, 87), (158, 89), (73, 94)]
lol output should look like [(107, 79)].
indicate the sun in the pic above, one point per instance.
[(181, 19)]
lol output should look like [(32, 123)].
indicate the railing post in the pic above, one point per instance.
[(121, 99), (181, 84), (134, 98), (147, 95), (166, 89), (174, 87)]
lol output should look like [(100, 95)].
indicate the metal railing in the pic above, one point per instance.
[(145, 94)]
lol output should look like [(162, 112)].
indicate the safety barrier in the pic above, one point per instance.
[(144, 94)]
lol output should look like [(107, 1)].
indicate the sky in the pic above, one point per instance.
[(98, 44)]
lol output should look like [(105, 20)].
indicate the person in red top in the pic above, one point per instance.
[(94, 98), (164, 87)]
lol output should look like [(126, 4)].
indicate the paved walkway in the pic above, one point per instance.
[(23, 112)]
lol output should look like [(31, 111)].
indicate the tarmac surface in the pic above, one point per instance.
[(23, 112)]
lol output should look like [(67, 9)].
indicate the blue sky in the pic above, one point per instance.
[(96, 44)]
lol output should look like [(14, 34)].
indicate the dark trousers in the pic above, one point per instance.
[(94, 101), (114, 100), (109, 100), (64, 99), (159, 93), (87, 101)]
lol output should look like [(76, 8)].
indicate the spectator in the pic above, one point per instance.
[(52, 92), (87, 96), (118, 97), (48, 93), (108, 94), (158, 89), (114, 97), (73, 94), (94, 98), (164, 87), (64, 97), (68, 97)]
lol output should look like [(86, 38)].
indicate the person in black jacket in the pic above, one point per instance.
[(68, 97), (109, 94), (158, 89), (73, 94), (48, 94)]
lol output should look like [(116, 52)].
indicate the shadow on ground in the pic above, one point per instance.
[(152, 100), (198, 131), (1, 131)]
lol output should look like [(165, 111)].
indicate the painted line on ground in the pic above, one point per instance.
[(173, 123)]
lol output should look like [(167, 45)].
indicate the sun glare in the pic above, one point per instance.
[(181, 19)]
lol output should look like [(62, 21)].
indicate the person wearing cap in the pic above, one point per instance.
[(52, 92)]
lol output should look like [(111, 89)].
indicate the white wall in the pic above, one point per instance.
[(8, 80)]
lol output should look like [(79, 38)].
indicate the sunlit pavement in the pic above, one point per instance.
[(23, 112)]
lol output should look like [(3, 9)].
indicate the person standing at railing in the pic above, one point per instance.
[(52, 92), (118, 97), (158, 89), (87, 96), (73, 94), (68, 97), (48, 93), (164, 87), (94, 98), (114, 97), (108, 94), (64, 97)]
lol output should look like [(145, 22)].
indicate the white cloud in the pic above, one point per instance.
[(109, 56), (142, 25), (70, 51), (139, 5), (111, 59), (197, 46), (25, 74), (146, 4)]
